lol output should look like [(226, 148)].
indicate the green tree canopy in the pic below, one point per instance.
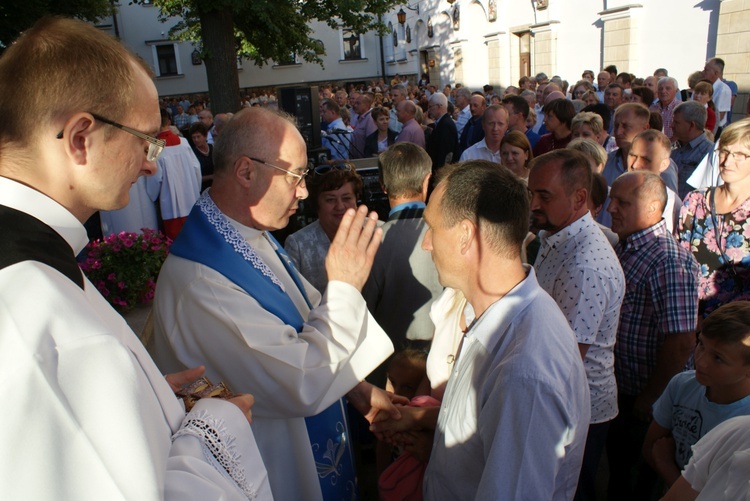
[(261, 30), (18, 15)]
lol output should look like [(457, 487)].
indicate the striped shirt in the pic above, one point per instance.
[(661, 298)]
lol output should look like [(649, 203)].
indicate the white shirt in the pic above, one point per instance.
[(89, 415), (177, 181), (515, 414), (578, 267), (200, 316), (722, 98), (463, 118), (720, 462), (480, 151), (139, 213), (672, 208)]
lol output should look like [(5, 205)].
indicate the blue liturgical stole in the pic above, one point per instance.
[(210, 239)]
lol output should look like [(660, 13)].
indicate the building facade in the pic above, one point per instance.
[(476, 42)]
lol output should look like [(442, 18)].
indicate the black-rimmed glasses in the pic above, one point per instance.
[(155, 146), (297, 179)]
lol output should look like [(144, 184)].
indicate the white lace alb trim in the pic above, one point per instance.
[(218, 446), (233, 238)]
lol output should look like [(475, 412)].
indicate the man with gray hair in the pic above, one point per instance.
[(713, 71), (270, 330), (688, 127), (398, 94), (443, 141), (667, 90), (518, 384), (220, 121), (403, 282), (463, 95)]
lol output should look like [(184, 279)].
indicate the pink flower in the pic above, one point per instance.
[(116, 247), (127, 242), (121, 285), (112, 277)]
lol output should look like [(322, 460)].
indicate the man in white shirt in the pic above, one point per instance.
[(577, 266), (518, 385), (722, 98), (463, 95), (229, 295), (89, 415), (495, 125), (398, 94)]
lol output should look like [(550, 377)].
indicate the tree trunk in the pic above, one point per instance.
[(217, 31)]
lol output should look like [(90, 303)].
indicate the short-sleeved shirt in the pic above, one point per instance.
[(480, 151), (661, 298), (685, 409), (579, 269), (721, 460)]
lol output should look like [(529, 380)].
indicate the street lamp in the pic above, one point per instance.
[(401, 15)]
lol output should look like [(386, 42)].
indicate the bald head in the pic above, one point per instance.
[(255, 132), (637, 201), (553, 95)]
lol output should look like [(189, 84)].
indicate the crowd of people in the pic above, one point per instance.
[(563, 275)]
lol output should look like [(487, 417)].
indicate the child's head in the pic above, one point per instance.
[(703, 92), (407, 372), (723, 352)]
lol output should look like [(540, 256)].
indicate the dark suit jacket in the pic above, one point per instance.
[(442, 142), (472, 134), (371, 142)]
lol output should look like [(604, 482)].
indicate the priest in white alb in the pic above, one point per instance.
[(230, 297)]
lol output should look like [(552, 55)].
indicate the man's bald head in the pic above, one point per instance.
[(553, 95), (637, 201), (253, 131)]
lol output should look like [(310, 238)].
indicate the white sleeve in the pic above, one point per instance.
[(203, 318)]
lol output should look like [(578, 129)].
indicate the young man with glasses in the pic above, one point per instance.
[(89, 415), (229, 294)]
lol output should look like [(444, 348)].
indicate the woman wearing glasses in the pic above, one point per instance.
[(715, 224), (333, 189)]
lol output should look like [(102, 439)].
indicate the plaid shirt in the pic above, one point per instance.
[(667, 114), (661, 297)]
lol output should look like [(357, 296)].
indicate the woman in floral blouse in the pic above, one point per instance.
[(715, 224)]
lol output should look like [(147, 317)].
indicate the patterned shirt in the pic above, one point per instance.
[(579, 269), (667, 113), (182, 120), (661, 298), (687, 157)]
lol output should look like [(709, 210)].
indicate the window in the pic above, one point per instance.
[(166, 58), (288, 60), (351, 45)]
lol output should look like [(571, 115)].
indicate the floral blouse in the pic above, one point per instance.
[(724, 278)]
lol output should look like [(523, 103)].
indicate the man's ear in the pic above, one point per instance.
[(581, 198), (467, 235), (245, 171), (77, 138), (425, 186)]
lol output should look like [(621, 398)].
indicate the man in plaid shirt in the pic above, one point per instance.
[(657, 322)]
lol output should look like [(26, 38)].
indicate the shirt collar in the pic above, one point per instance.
[(641, 238), (34, 203), (416, 204), (563, 235), (697, 140)]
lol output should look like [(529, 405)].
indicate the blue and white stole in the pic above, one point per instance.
[(210, 239)]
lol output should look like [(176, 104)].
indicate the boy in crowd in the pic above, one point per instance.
[(696, 401)]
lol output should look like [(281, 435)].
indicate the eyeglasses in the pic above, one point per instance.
[(296, 179), (155, 146), (738, 156)]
